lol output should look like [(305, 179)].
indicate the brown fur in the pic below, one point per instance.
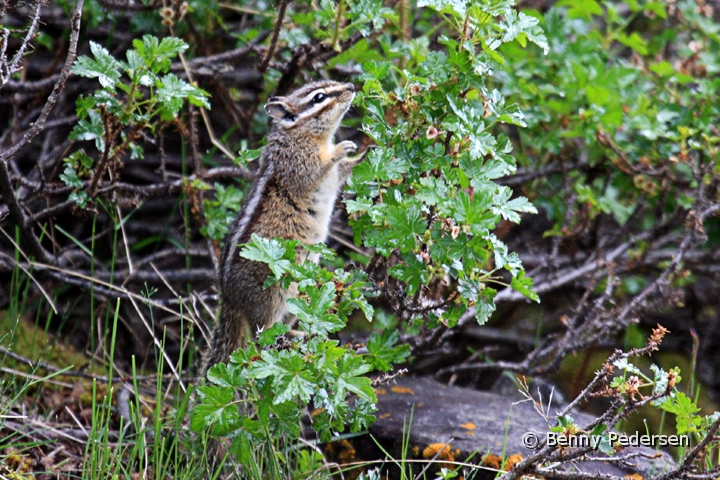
[(289, 199)]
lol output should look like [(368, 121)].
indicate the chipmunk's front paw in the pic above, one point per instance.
[(345, 149), (348, 164)]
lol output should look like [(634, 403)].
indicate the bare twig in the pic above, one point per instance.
[(687, 464), (7, 71), (276, 32), (36, 86), (50, 103), (6, 189)]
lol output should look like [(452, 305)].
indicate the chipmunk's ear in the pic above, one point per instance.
[(278, 108)]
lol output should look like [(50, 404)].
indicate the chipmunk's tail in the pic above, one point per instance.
[(229, 334)]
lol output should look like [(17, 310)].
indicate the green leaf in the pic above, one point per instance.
[(634, 41), (290, 375), (683, 407), (83, 105), (581, 8), (658, 8), (172, 90), (504, 259), (355, 297), (267, 251), (90, 129), (414, 272), (524, 285), (230, 197), (363, 415), (405, 225), (664, 69), (312, 314), (626, 366), (104, 67), (216, 410), (510, 210), (369, 15), (485, 305), (603, 444), (135, 61), (353, 206), (157, 54), (597, 95), (242, 448), (270, 335), (432, 191), (81, 198), (245, 156), (383, 352), (661, 383), (454, 7), (70, 178), (565, 421), (351, 369), (522, 27)]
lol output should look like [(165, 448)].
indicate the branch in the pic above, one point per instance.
[(47, 213), (8, 193), (50, 103), (9, 70), (220, 57), (30, 87), (597, 321), (562, 475), (573, 273), (18, 217), (309, 52), (690, 458), (276, 32), (132, 5), (118, 377)]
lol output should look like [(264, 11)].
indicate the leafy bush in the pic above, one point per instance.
[(277, 381), (426, 198), (643, 124), (152, 99)]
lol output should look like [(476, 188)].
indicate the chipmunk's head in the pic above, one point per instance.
[(315, 109)]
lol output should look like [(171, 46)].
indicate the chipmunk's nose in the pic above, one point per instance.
[(350, 87)]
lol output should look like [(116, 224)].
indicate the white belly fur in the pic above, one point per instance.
[(324, 203)]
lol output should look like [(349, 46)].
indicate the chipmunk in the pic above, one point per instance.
[(292, 197)]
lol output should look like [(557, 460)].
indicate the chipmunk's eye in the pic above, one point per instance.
[(319, 98)]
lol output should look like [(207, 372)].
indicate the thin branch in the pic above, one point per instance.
[(31, 87), (220, 57), (18, 217), (37, 126), (131, 5), (8, 193), (47, 213), (308, 53), (690, 458), (9, 70), (571, 274), (276, 32)]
